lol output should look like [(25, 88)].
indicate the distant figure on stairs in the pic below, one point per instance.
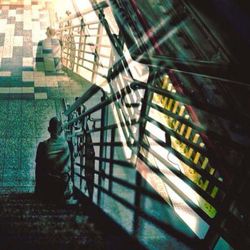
[(48, 55), (53, 167)]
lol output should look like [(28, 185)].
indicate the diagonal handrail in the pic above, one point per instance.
[(142, 148), (81, 100), (101, 5)]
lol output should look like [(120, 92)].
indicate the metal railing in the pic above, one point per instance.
[(179, 142), (103, 179), (197, 169), (86, 49)]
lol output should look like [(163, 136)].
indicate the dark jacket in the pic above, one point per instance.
[(53, 164)]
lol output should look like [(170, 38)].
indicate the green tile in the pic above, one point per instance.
[(12, 148), (28, 129), (2, 151), (14, 107), (42, 131), (28, 149)]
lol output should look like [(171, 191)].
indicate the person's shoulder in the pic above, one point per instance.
[(40, 43), (41, 148), (43, 143)]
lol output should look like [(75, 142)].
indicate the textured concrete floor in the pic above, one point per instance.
[(28, 98)]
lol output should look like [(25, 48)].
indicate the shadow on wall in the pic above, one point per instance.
[(48, 54)]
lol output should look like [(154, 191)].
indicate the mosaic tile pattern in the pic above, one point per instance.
[(28, 98), (11, 2), (22, 26)]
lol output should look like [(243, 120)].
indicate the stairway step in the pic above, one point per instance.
[(27, 223)]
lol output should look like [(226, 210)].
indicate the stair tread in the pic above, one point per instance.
[(27, 223)]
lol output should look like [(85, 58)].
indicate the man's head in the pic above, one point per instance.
[(55, 126), (50, 32)]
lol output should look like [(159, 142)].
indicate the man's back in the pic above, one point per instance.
[(49, 52), (53, 166), (57, 155), (52, 46)]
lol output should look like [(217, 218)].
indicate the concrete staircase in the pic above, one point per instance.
[(27, 223)]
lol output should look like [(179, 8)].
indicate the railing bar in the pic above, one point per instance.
[(69, 27), (90, 44), (98, 45), (80, 65), (86, 60), (199, 105), (117, 144), (221, 161), (93, 45), (195, 126), (111, 166), (101, 5), (80, 165), (201, 171), (187, 200), (105, 128), (91, 110), (92, 53), (118, 162), (92, 35), (177, 136), (86, 96), (85, 51), (184, 178), (88, 52), (122, 124)]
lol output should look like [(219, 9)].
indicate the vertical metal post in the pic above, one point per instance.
[(144, 111), (102, 153), (83, 149), (97, 50), (71, 148), (81, 44), (112, 151), (68, 37)]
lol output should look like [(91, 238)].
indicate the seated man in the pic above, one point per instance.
[(49, 53), (53, 165)]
